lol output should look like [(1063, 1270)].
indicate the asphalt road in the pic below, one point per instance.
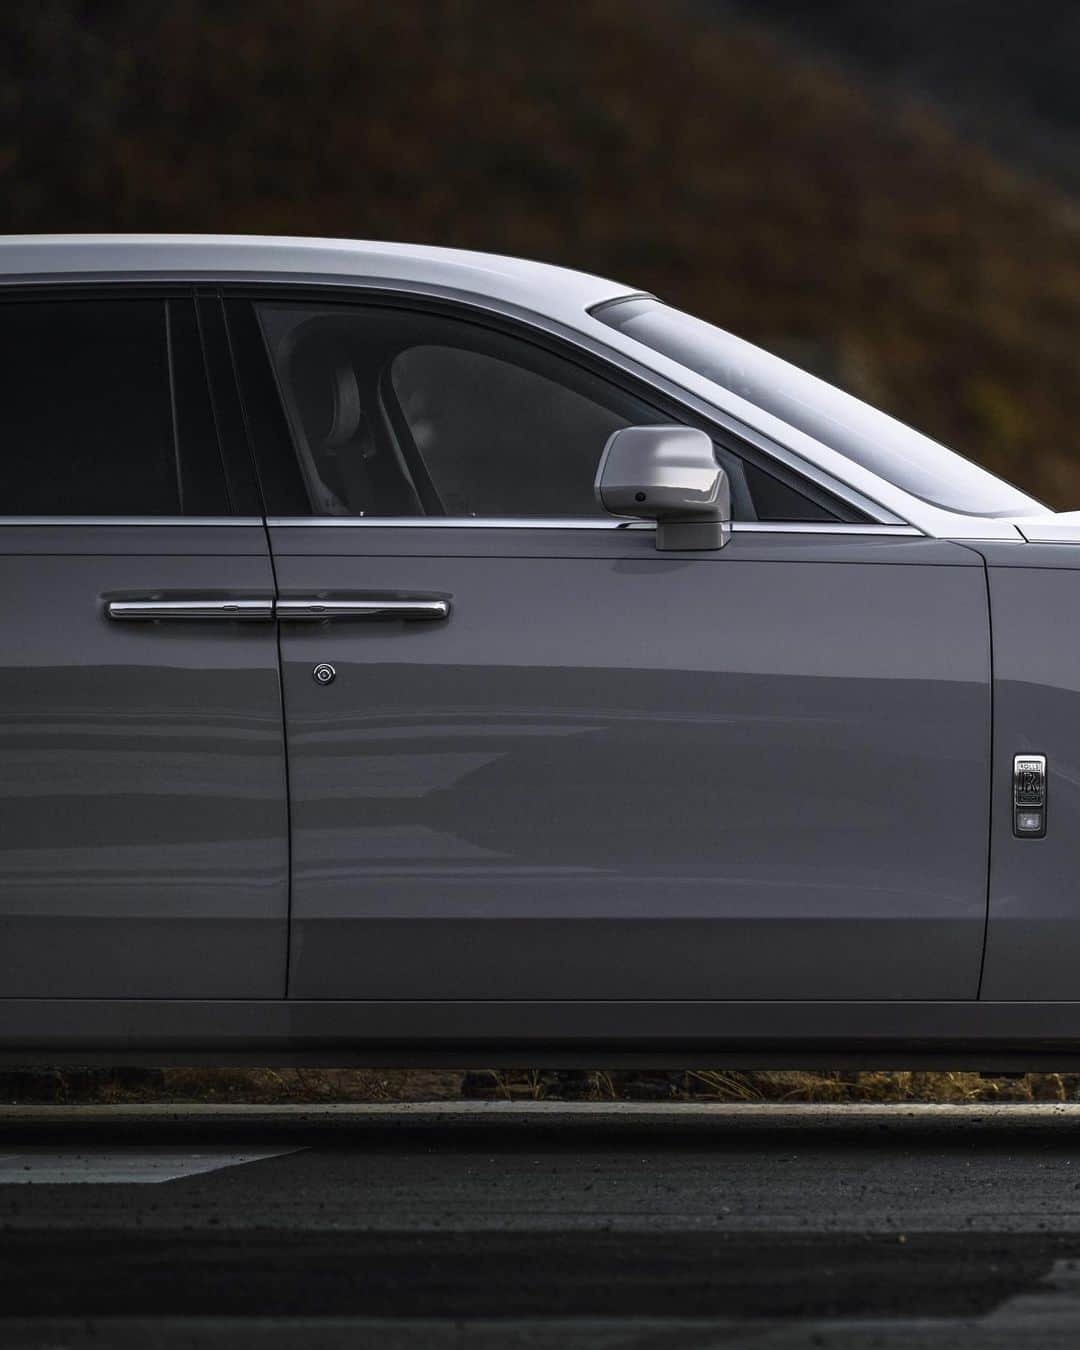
[(490, 1225)]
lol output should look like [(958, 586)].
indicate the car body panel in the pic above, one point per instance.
[(143, 845), (557, 292), (638, 776), (1033, 933), (1062, 527)]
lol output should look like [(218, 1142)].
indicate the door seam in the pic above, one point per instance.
[(238, 390), (285, 763), (990, 786)]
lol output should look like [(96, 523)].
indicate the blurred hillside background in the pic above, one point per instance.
[(886, 193)]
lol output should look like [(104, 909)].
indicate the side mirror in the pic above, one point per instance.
[(670, 475)]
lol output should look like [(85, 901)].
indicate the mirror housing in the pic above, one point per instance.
[(670, 475)]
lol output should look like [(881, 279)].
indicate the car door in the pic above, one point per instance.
[(533, 758), (143, 838)]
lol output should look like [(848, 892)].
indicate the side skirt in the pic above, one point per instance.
[(1001, 1036)]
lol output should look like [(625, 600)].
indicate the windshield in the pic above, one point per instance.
[(872, 439)]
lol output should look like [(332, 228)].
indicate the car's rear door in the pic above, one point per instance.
[(536, 759), (143, 838)]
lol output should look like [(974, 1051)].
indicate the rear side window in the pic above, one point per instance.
[(105, 410)]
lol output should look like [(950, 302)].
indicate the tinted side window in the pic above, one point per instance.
[(498, 438), (399, 413), (104, 410), (395, 412)]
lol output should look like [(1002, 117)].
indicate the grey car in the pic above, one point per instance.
[(413, 654)]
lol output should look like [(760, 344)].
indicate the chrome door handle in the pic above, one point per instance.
[(146, 610), (311, 611), (388, 607)]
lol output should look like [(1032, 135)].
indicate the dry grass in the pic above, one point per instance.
[(745, 1086), (282, 1086), (260, 1086)]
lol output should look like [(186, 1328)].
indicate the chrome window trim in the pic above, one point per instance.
[(824, 527), (6, 521), (577, 523), (456, 523)]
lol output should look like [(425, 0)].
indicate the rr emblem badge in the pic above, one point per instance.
[(1029, 796)]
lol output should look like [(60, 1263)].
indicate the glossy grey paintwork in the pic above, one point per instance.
[(143, 837), (614, 774), (1033, 936)]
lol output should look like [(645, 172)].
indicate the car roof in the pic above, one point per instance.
[(538, 287)]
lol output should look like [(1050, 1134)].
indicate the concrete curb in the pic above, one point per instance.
[(448, 1114)]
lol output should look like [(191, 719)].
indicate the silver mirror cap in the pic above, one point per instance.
[(668, 474)]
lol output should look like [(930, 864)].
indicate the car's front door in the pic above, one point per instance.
[(143, 842), (562, 765)]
